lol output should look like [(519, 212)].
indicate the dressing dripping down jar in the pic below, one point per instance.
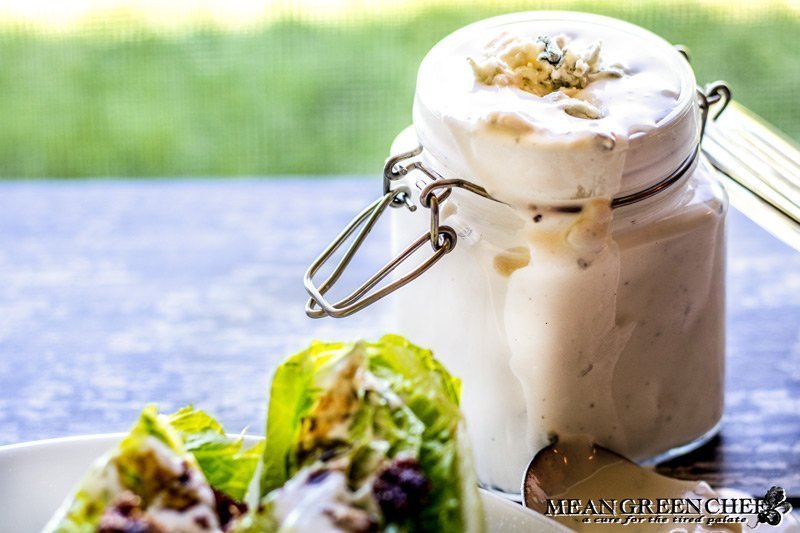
[(575, 237)]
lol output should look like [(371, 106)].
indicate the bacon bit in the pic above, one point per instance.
[(228, 509), (125, 515)]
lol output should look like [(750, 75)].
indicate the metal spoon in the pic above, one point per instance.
[(578, 469), (563, 465)]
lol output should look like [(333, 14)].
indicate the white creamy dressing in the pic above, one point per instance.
[(102, 480), (105, 485), (168, 461), (301, 505), (569, 323), (187, 520), (348, 380), (525, 148)]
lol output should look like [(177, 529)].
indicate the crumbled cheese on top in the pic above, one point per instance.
[(543, 66)]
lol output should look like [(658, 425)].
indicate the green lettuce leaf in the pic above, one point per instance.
[(418, 416), (433, 395), (82, 511), (226, 463), (190, 435)]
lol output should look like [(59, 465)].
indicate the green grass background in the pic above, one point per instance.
[(300, 97)]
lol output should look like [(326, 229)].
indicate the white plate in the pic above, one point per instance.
[(35, 477)]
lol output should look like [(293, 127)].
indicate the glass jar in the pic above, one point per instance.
[(592, 321), (578, 236), (628, 349)]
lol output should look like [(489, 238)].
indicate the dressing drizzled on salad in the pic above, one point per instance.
[(171, 473), (361, 437), (367, 435)]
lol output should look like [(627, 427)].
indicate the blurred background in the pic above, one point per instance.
[(153, 88)]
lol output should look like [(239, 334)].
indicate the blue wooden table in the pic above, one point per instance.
[(114, 294)]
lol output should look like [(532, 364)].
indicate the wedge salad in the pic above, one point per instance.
[(363, 436)]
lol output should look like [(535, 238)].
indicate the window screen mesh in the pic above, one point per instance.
[(134, 88)]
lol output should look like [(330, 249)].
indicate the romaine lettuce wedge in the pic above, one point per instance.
[(174, 472), (377, 426)]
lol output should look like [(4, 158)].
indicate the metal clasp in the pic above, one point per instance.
[(713, 93), (441, 238)]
